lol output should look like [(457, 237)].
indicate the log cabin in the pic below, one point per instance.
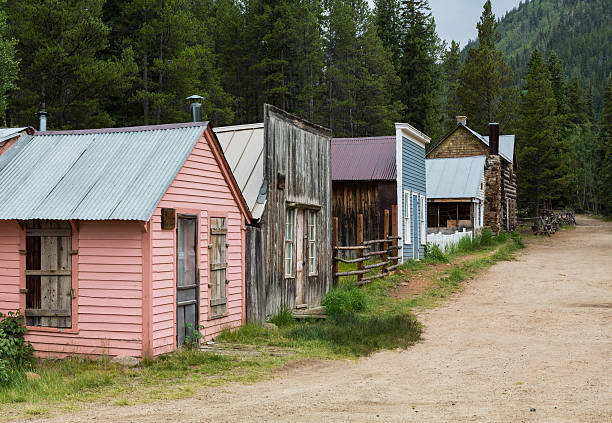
[(500, 168)]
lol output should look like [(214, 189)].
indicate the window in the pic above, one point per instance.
[(423, 221), (218, 266), (289, 242), (312, 243), (48, 274), (407, 217)]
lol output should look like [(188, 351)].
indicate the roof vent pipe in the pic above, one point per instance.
[(461, 119), (493, 139), (196, 108), (42, 116)]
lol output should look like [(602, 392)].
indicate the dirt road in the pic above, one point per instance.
[(530, 334)]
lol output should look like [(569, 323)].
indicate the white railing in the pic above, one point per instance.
[(444, 240)]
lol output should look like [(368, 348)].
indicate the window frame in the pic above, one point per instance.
[(423, 219), (289, 271), (313, 260), (406, 217)]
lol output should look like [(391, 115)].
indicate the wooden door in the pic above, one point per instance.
[(187, 279), (299, 259)]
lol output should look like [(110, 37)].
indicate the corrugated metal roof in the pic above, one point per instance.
[(8, 133), (243, 146), (100, 174), (363, 159), (506, 146), (454, 177)]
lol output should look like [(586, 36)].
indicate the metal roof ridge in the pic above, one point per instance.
[(143, 128), (243, 127)]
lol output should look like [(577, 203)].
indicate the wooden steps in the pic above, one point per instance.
[(310, 313)]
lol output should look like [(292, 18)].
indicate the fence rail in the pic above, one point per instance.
[(386, 248)]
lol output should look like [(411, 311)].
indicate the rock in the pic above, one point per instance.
[(125, 360), (270, 326), (32, 376)]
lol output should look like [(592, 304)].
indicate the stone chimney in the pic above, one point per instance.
[(461, 119), (493, 139)]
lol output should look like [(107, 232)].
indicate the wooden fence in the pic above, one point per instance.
[(386, 250)]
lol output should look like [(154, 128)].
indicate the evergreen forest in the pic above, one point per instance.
[(542, 71)]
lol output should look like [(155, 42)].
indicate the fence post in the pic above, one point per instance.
[(359, 243), (335, 252), (385, 256), (394, 232)]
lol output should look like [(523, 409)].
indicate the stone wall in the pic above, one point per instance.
[(493, 194)]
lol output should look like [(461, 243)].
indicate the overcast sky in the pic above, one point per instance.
[(456, 19)]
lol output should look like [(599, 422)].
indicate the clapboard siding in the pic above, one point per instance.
[(413, 179), (201, 188), (110, 295), (9, 266)]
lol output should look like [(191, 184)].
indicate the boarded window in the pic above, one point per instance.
[(48, 273), (407, 238), (218, 266), (289, 242), (312, 243)]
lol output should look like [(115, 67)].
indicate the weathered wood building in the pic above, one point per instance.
[(500, 168), (283, 168), (363, 182), (121, 241)]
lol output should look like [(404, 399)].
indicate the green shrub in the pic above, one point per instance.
[(486, 238), (16, 354), (465, 245), (283, 318), (345, 299), (502, 236), (518, 239), (434, 254)]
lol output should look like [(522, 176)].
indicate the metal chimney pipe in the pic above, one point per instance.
[(493, 139), (196, 108), (42, 117)]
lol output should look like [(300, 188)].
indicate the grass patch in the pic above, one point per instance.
[(345, 299)]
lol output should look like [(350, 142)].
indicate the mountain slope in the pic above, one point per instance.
[(580, 31)]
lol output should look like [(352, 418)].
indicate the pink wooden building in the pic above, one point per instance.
[(121, 241)]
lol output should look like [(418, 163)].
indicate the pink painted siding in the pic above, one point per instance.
[(109, 287), (9, 266), (199, 188)]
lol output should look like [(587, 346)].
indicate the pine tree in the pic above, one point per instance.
[(389, 24), (486, 78), (576, 103), (539, 178), (9, 65), (60, 44), (605, 151), (359, 73), (417, 65), (451, 72), (557, 79), (175, 58)]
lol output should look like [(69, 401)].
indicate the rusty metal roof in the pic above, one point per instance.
[(363, 159), (97, 174)]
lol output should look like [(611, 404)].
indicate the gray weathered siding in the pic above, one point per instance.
[(299, 152)]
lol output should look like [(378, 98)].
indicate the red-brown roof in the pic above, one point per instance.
[(363, 159)]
